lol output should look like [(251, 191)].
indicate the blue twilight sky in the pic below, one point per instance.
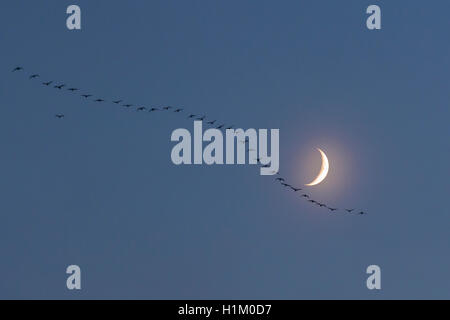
[(98, 188)]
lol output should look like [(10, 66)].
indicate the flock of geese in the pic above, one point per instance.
[(212, 123)]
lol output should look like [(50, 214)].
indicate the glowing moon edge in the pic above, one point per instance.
[(323, 170)]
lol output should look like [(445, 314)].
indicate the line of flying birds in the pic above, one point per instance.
[(282, 181)]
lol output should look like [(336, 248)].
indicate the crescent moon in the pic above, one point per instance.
[(323, 170)]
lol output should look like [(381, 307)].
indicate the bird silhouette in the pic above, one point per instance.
[(47, 83), (167, 108), (117, 102), (349, 210), (141, 108), (191, 116), (59, 116), (127, 105), (99, 100), (17, 69), (211, 122), (296, 189), (73, 89), (332, 209), (178, 110), (34, 76), (153, 109), (305, 195), (86, 95), (220, 127), (362, 212), (279, 179), (60, 86), (201, 118)]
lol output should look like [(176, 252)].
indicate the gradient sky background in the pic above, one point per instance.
[(98, 188)]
